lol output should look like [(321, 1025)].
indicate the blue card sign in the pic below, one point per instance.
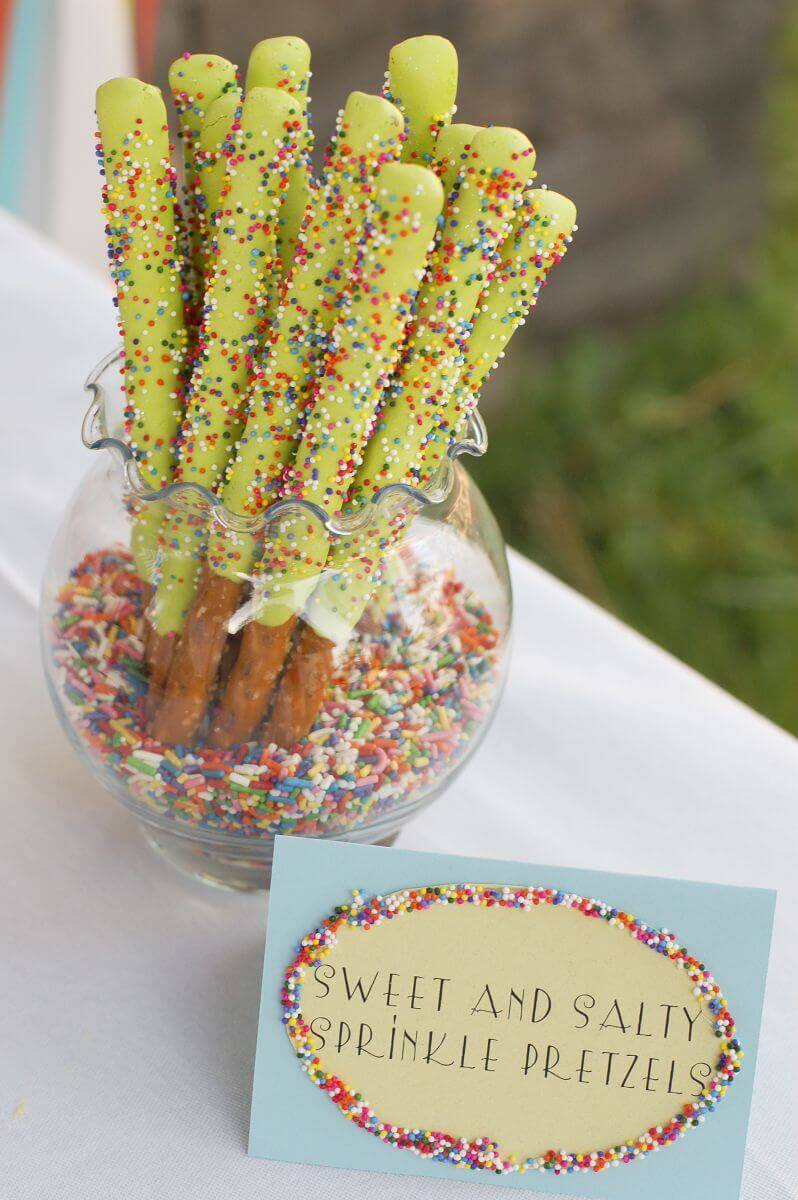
[(535, 1027)]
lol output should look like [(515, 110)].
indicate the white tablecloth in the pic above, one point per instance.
[(128, 997)]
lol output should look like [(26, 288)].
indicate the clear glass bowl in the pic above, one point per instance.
[(414, 686)]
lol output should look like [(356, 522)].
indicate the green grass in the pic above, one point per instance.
[(658, 473)]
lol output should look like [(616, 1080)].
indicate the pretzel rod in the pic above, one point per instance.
[(301, 687), (365, 346), (537, 242), (233, 318), (197, 80), (477, 219), (217, 144), (422, 81), (139, 207), (284, 62), (368, 135)]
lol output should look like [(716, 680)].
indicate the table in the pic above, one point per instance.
[(128, 997)]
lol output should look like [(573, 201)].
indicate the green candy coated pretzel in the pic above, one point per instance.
[(216, 144), (422, 81), (538, 238), (477, 218), (139, 204), (536, 242), (197, 81), (233, 320), (368, 134), (338, 333)]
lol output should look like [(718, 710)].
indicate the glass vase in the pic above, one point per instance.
[(413, 688)]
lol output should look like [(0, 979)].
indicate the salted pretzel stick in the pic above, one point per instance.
[(139, 208), (484, 193), (222, 142), (365, 347), (535, 244), (478, 218), (368, 135), (197, 80), (217, 144), (422, 82), (233, 319), (284, 62)]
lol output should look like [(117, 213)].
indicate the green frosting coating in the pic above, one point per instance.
[(216, 144), (139, 208), (197, 80), (284, 62), (422, 81), (368, 134), (280, 62), (233, 321), (451, 151), (536, 242)]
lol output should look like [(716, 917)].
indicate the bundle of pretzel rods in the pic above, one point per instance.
[(289, 337)]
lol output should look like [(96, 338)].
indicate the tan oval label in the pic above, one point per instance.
[(509, 1028)]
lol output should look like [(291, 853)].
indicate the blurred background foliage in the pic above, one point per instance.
[(643, 430), (656, 469)]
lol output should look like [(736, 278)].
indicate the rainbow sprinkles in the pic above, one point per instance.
[(384, 735), (483, 1153), (298, 337)]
